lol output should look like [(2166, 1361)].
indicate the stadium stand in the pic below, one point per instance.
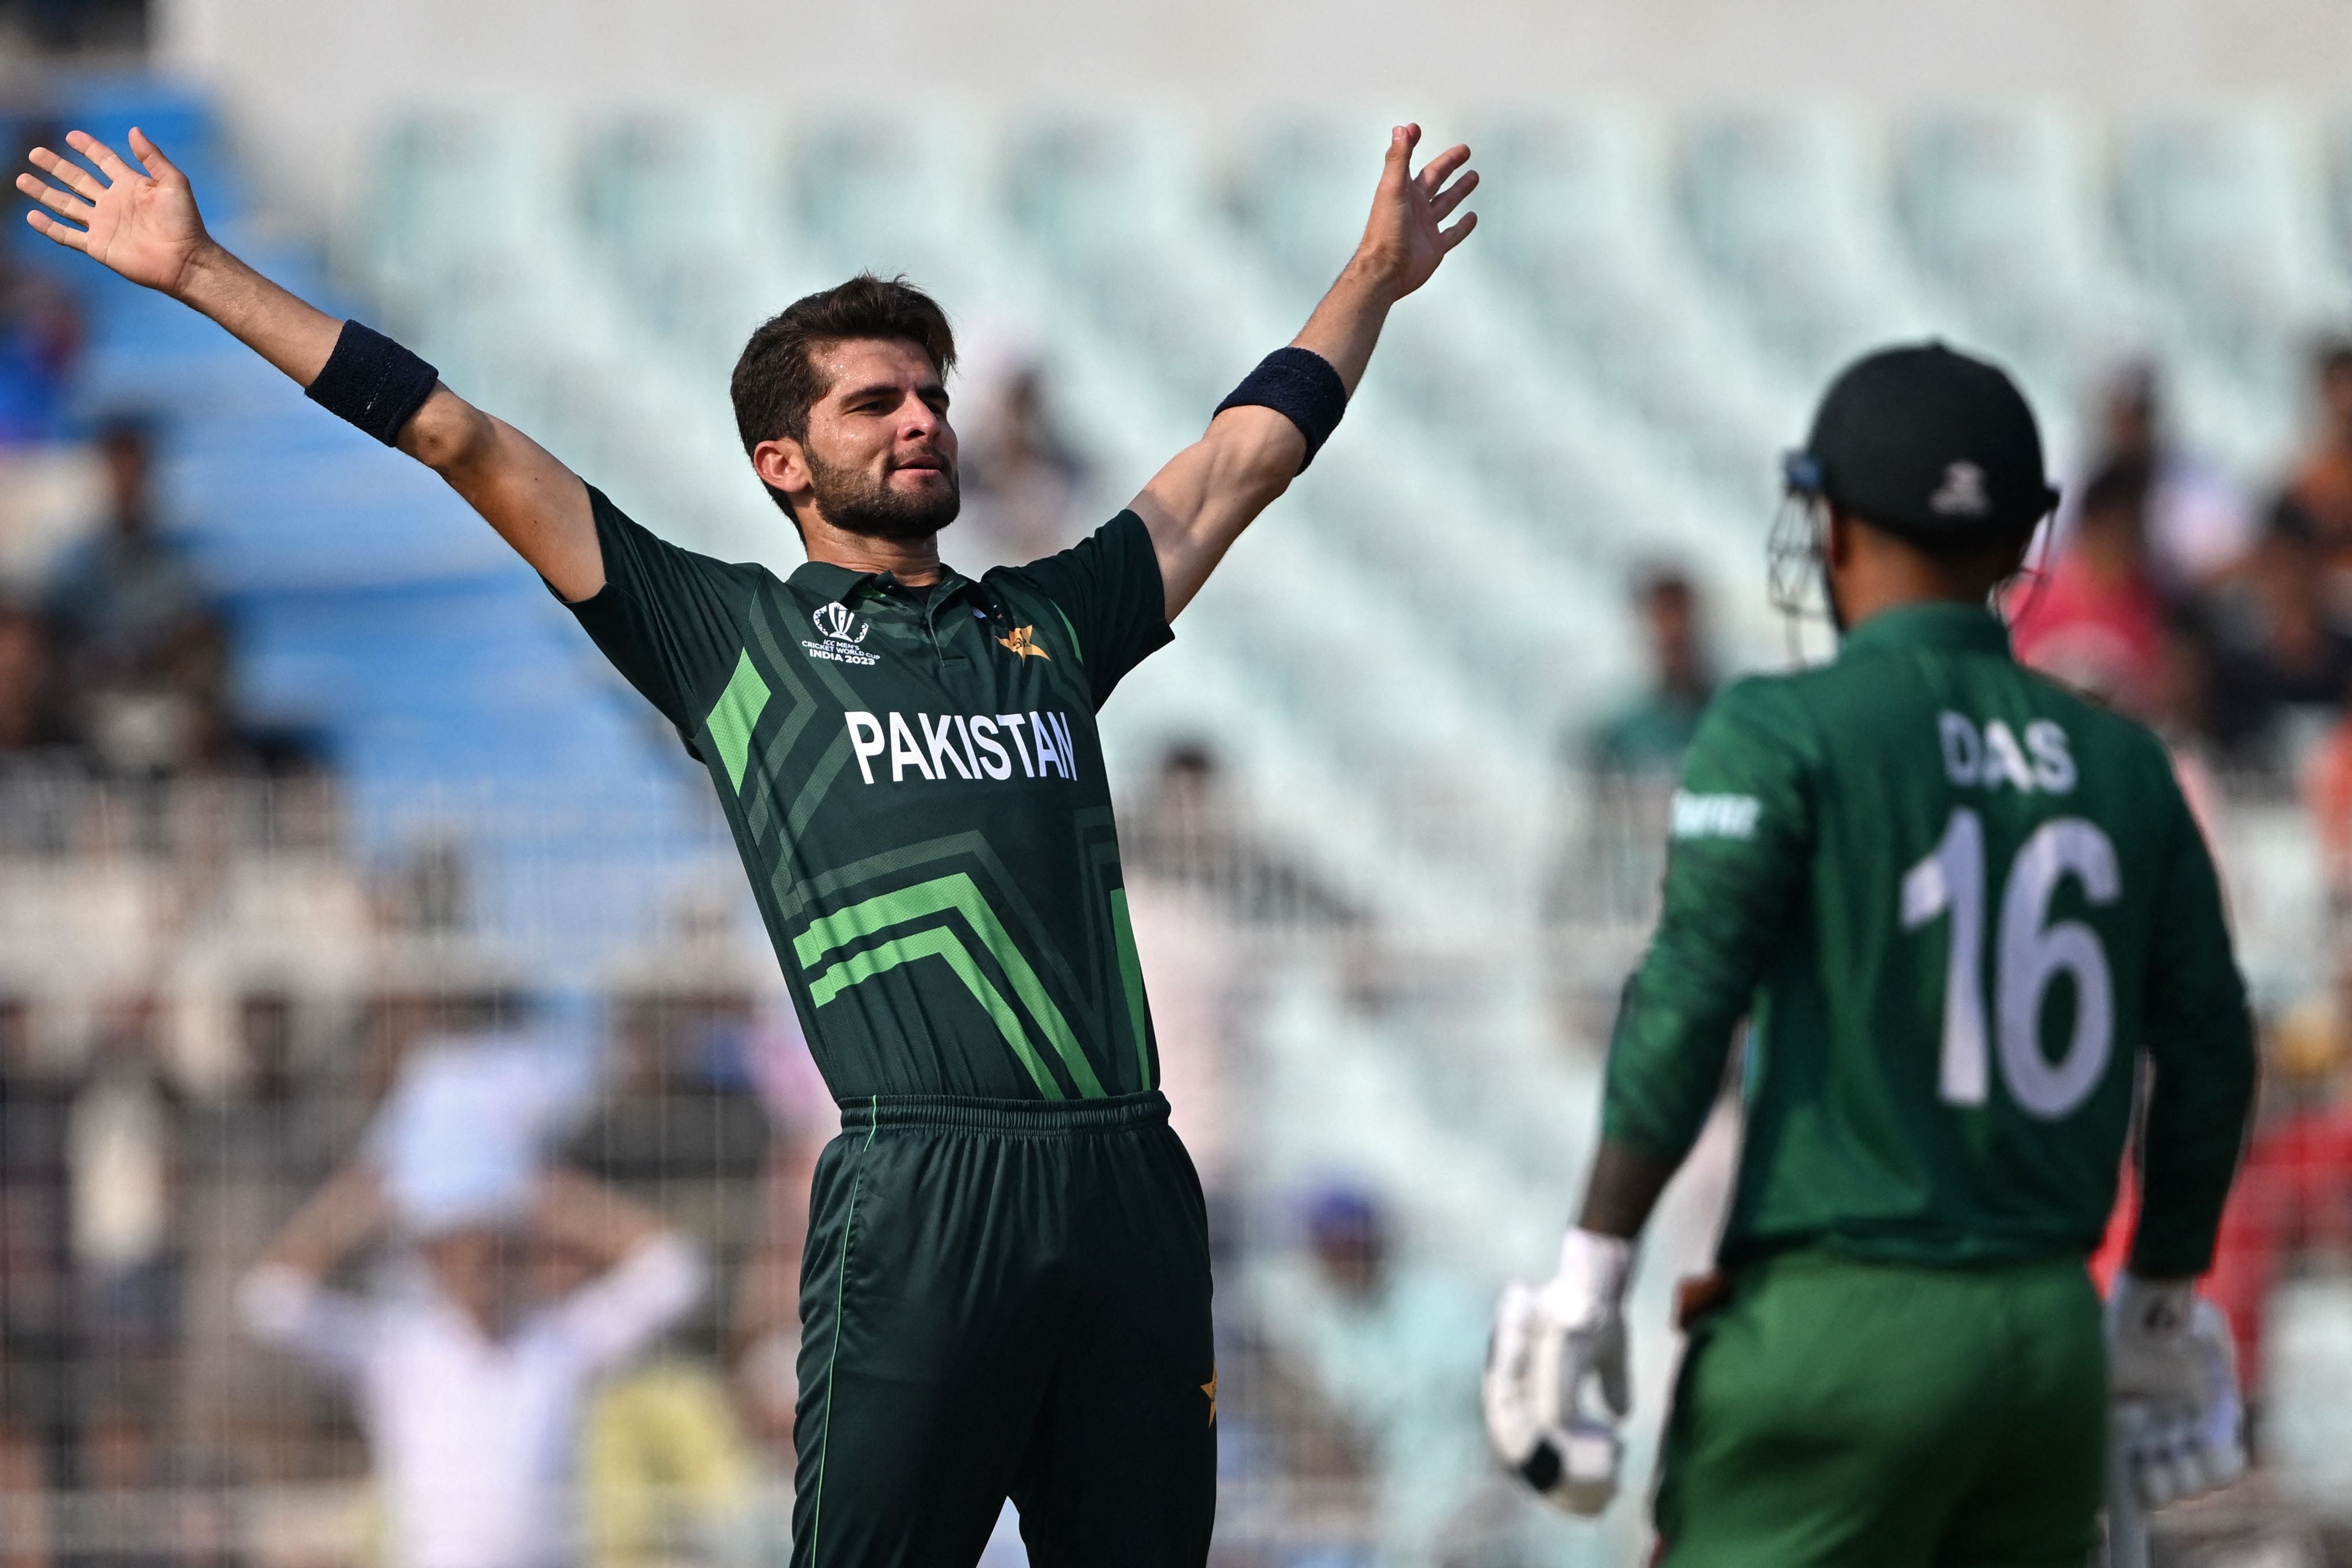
[(371, 605), (1394, 659)]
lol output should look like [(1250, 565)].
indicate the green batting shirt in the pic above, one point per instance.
[(1956, 903), (916, 788)]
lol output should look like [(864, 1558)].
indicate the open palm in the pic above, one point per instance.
[(1406, 235), (142, 224)]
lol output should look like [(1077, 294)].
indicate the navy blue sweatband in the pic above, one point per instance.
[(373, 382), (1300, 386)]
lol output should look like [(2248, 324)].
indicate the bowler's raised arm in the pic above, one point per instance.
[(1267, 431), (142, 222)]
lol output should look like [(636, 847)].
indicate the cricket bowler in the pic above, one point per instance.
[(1005, 1290)]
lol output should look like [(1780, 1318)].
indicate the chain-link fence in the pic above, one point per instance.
[(218, 1346)]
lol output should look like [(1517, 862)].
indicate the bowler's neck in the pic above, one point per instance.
[(914, 561)]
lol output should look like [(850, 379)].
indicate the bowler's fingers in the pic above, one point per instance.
[(56, 201), (1438, 170), (66, 173), (110, 163), (65, 234), (1396, 169), (151, 157), (1443, 203)]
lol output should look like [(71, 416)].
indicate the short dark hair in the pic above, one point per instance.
[(2332, 357), (776, 380)]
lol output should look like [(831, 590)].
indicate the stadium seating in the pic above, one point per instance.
[(1603, 379), (1397, 657), (371, 606)]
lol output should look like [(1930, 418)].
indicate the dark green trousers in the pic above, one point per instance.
[(1836, 1414), (1005, 1298)]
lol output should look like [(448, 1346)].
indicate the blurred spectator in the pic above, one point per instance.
[(424, 995), (27, 1532), (683, 1104), (1648, 735), (2321, 484), (144, 1501), (34, 736), (1622, 772), (41, 338), (1188, 831), (38, 1343), (472, 1371), (2283, 657), (200, 1511), (2198, 525), (49, 477), (2184, 720), (1022, 484), (2293, 1200), (1395, 1347), (121, 1150), (1188, 835), (681, 1125), (2283, 1267), (2094, 617), (1196, 973), (764, 1327), (665, 1474), (145, 647), (2327, 793)]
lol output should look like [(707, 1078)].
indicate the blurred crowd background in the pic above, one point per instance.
[(403, 1136)]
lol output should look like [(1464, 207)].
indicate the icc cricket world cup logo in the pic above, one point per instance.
[(834, 623), (842, 632)]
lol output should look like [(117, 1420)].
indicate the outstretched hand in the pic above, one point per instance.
[(1407, 235), (141, 223)]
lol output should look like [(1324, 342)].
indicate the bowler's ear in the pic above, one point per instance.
[(782, 465)]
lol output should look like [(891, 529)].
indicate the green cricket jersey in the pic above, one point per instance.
[(1956, 902), (916, 788)]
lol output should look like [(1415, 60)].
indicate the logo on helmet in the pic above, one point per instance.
[(1962, 493)]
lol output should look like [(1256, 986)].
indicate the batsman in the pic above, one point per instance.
[(1977, 941)]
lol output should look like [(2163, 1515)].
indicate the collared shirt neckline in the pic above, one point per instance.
[(1936, 623), (843, 585)]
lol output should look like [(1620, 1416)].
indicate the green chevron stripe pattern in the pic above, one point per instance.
[(1130, 975), (959, 894), (944, 944), (734, 716)]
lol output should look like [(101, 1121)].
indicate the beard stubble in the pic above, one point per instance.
[(857, 504)]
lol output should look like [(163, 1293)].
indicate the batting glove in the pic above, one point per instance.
[(2172, 1377), (1550, 1342)]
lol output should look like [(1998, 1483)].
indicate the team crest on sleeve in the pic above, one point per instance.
[(843, 635), (1022, 641), (1715, 816)]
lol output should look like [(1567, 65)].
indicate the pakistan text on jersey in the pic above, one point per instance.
[(964, 746)]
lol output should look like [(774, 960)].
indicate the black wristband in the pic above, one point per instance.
[(1300, 385), (373, 382)]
